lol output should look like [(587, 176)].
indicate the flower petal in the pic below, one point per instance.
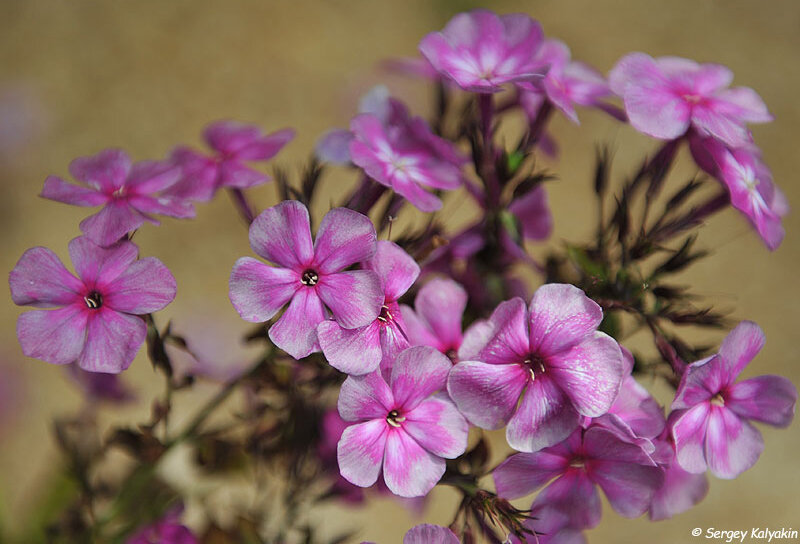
[(282, 235), (345, 237), (575, 495), (360, 452), (544, 418), (509, 341), (408, 469), (430, 534), (55, 336), (396, 269), (229, 137), (628, 486), (107, 170), (523, 473), (39, 279), (266, 147), (486, 394), (112, 340), (296, 330), (741, 346), (99, 266), (437, 426), (352, 351), (732, 445), (681, 490), (61, 191), (146, 286), (417, 373), (441, 303), (689, 435), (152, 176), (233, 173), (258, 291), (354, 297), (112, 223), (561, 316), (769, 399), (365, 397)]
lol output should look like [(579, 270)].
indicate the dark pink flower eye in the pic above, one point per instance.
[(93, 300)]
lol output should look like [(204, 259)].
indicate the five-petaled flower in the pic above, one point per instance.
[(128, 192), (234, 145), (664, 97), (713, 430), (551, 357), (97, 321), (401, 426), (310, 276), (436, 317), (481, 51)]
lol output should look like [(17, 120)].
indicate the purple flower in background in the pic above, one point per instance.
[(567, 83), (400, 427), (96, 323), (551, 357), (481, 51), (403, 154), (331, 429), (436, 318), (99, 387), (635, 407), (361, 350), (664, 97), (749, 183), (713, 430), (234, 145), (310, 276), (430, 534), (598, 456), (128, 192), (165, 531)]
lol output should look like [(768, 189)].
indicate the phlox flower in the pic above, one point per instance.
[(436, 318), (309, 276), (361, 350), (430, 534), (128, 192), (635, 407), (481, 51), (601, 456), (749, 182), (402, 153), (713, 430), (401, 427), (168, 530), (96, 322), (551, 357), (566, 83), (99, 387), (664, 97), (233, 145)]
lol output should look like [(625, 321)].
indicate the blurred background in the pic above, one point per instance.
[(80, 76)]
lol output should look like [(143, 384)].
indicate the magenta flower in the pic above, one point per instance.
[(403, 154), (234, 145), (99, 387), (310, 276), (598, 456), (635, 407), (436, 318), (361, 350), (663, 97), (331, 428), (430, 534), (713, 430), (165, 531), (481, 51), (97, 321), (551, 357), (749, 182), (400, 427), (567, 83), (128, 192)]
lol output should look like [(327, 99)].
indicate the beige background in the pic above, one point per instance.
[(79, 76)]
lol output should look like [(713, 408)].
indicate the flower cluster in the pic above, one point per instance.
[(383, 360)]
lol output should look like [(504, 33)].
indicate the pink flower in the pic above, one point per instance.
[(663, 97), (234, 145), (361, 350), (99, 387), (551, 357), (400, 427), (430, 534), (566, 83), (402, 153), (481, 51), (165, 531), (635, 407), (598, 456), (97, 321), (128, 192), (436, 318), (713, 430), (310, 276), (749, 183)]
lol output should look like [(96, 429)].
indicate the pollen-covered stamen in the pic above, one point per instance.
[(718, 400), (309, 278), (394, 418), (577, 461), (385, 316), (119, 193), (535, 365), (93, 300)]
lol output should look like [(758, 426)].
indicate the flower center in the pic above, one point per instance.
[(717, 400), (119, 193), (385, 316), (535, 365), (394, 418), (577, 462), (692, 98), (309, 278), (93, 300)]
